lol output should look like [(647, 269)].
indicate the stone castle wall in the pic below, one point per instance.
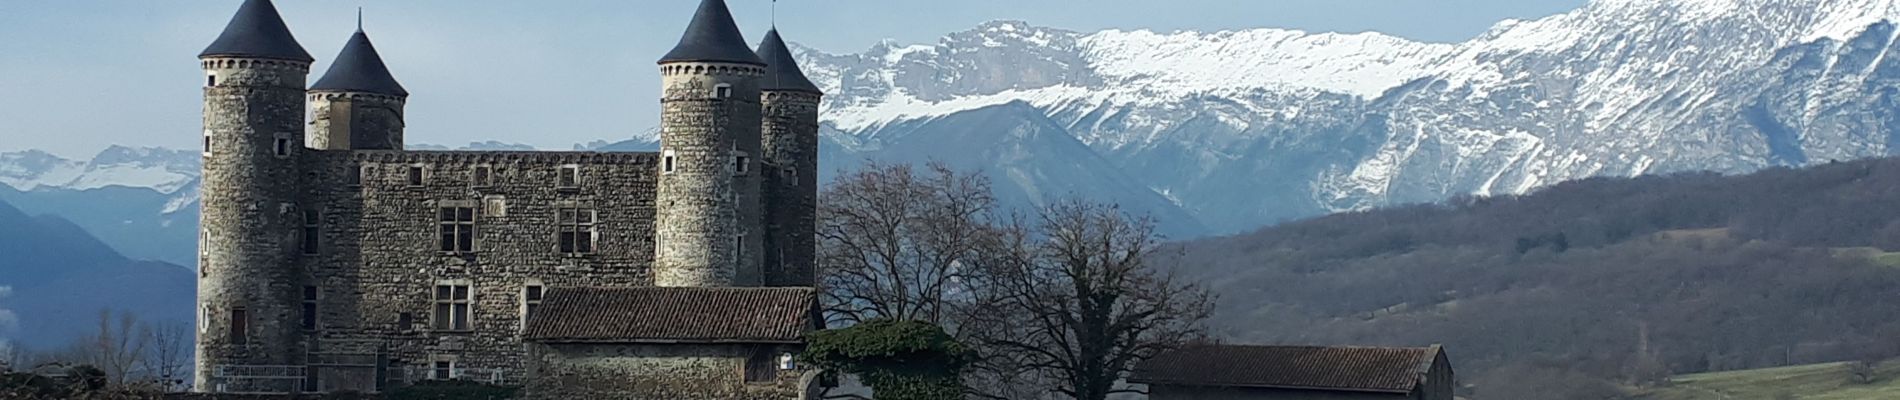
[(655, 372), (381, 257), (353, 120), (253, 118), (707, 121), (790, 140)]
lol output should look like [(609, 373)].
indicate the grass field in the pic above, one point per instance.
[(1806, 382)]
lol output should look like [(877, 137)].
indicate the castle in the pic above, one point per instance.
[(332, 259)]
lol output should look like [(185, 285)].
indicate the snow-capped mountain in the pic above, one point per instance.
[(1241, 128), (164, 170)]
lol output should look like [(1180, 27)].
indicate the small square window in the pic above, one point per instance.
[(281, 147), (666, 164), (570, 177), (741, 164), (484, 176), (444, 370), (415, 175), (723, 91), (211, 80)]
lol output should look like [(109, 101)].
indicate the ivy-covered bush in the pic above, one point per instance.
[(900, 360)]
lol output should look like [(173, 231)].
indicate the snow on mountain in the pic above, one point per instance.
[(1248, 127), (164, 170)]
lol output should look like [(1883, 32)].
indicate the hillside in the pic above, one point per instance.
[(1587, 285), (60, 277), (1805, 382)]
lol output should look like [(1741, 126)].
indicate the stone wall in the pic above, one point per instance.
[(356, 121), (654, 372), (380, 254), (709, 116), (253, 118), (790, 140)]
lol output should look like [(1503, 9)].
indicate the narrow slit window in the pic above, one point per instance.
[(280, 147), (530, 301), (309, 308), (207, 143), (240, 326), (666, 165), (312, 231)]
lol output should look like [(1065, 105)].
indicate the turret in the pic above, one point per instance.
[(253, 137), (790, 134), (708, 223), (357, 105)]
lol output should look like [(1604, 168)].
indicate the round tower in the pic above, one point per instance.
[(790, 143), (253, 137), (357, 105), (708, 223)]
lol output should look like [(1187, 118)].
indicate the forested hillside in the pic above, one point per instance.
[(1587, 287)]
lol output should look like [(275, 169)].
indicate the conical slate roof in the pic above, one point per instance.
[(712, 36), (359, 69), (257, 31), (781, 70)]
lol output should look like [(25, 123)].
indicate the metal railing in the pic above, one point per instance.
[(257, 379), (416, 373)]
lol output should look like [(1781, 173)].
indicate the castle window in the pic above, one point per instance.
[(722, 91), (312, 222), (738, 247), (741, 164), (666, 162), (443, 370), (211, 80), (457, 228), (415, 175), (240, 326), (405, 321), (452, 307), (484, 176), (576, 230), (570, 177), (530, 300), (281, 147), (759, 368), (309, 308), (207, 143)]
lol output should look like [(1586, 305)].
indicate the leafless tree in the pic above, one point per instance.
[(167, 359), (1078, 300), (118, 347), (894, 242)]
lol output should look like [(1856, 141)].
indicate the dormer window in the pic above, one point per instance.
[(722, 91)]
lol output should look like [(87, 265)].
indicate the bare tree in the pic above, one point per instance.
[(118, 347), (1077, 301), (894, 242), (167, 359)]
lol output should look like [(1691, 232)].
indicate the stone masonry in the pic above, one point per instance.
[(333, 260)]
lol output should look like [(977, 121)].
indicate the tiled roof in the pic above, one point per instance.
[(672, 314), (1361, 369), (257, 31)]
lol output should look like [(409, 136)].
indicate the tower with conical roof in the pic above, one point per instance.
[(790, 146), (357, 105), (253, 140), (708, 224)]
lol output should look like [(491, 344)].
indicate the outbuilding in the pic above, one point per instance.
[(1236, 372)]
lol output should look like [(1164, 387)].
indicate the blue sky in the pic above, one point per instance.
[(77, 75)]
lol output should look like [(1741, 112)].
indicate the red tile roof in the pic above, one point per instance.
[(668, 315), (1360, 369)]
